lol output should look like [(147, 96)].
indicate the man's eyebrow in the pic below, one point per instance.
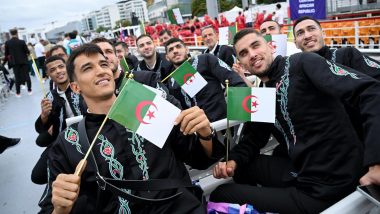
[(85, 65)]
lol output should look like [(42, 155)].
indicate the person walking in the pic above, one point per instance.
[(16, 53)]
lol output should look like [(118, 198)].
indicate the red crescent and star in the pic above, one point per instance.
[(188, 76), (139, 107), (254, 104)]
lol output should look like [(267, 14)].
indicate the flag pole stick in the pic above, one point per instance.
[(173, 72), (228, 133), (38, 75), (79, 169), (77, 172)]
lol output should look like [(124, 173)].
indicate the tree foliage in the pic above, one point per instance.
[(123, 22), (101, 28), (199, 7)]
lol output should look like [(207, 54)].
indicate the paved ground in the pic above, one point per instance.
[(17, 192)]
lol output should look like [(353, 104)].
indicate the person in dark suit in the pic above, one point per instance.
[(16, 53), (223, 52)]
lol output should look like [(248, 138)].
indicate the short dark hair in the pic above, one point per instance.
[(72, 35), (123, 44), (165, 31), (278, 6), (52, 59), (243, 33), (99, 40), (13, 31), (48, 54), (208, 27), (86, 49), (303, 19), (142, 36), (102, 39), (173, 40)]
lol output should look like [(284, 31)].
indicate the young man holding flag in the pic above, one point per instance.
[(326, 157), (58, 105), (120, 153), (211, 70)]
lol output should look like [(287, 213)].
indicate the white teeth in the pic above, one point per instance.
[(257, 62), (101, 82)]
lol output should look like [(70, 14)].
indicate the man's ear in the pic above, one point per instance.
[(75, 87)]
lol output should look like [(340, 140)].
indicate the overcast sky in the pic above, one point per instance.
[(37, 14)]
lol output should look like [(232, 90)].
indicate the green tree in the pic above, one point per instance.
[(199, 7), (101, 28), (123, 22)]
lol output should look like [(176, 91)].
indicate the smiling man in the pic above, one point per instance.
[(60, 103), (121, 154), (326, 158), (213, 70), (309, 37), (152, 60)]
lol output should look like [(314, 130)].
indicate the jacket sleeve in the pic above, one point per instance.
[(40, 127), (255, 136), (221, 71), (363, 63), (57, 163), (354, 88), (189, 149), (227, 54)]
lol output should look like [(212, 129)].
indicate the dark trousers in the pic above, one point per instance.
[(22, 75), (41, 62), (277, 194), (39, 172)]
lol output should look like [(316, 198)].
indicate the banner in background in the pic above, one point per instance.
[(312, 8)]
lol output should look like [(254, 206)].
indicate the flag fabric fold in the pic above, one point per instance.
[(227, 34), (190, 80), (144, 112), (251, 104)]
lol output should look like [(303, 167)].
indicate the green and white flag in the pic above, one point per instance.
[(227, 34), (278, 42), (189, 79), (175, 16), (144, 112), (251, 104)]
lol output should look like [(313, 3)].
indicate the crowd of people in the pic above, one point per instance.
[(327, 120), (193, 27)]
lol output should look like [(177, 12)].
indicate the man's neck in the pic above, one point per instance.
[(150, 62), (63, 86), (100, 106), (212, 49)]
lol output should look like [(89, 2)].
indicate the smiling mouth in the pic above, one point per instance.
[(102, 81)]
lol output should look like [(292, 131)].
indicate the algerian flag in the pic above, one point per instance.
[(175, 16), (124, 65), (278, 42), (251, 104), (143, 111), (227, 34), (189, 79)]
